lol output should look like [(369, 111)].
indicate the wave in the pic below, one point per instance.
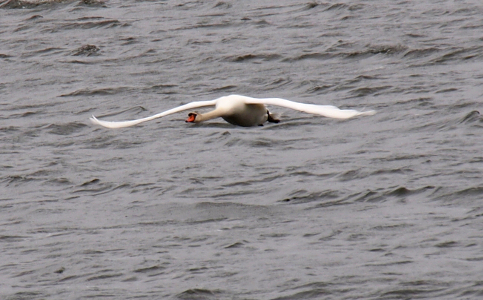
[(338, 51), (201, 294), (65, 129), (86, 50), (253, 57), (99, 91), (28, 4)]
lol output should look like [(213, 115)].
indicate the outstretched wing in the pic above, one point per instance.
[(121, 124), (323, 110)]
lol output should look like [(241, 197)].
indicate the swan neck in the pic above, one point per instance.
[(210, 115)]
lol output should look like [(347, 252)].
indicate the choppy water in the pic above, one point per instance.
[(382, 207)]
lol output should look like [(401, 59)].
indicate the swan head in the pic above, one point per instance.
[(192, 117)]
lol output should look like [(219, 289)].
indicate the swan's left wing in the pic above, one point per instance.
[(323, 110), (121, 124)]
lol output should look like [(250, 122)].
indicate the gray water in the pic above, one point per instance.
[(388, 206)]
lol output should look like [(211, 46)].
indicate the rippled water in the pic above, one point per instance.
[(380, 207)]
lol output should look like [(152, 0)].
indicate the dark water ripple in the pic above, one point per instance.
[(380, 207)]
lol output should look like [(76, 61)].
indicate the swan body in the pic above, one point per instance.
[(242, 111)]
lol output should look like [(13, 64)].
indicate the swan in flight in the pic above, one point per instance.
[(242, 111)]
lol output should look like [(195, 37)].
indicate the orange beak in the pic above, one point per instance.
[(191, 118)]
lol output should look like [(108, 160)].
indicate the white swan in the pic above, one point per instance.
[(241, 111)]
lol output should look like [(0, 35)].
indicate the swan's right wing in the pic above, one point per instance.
[(121, 124), (323, 110)]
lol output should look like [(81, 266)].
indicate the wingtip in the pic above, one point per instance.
[(368, 113), (94, 120)]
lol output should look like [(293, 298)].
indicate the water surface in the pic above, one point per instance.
[(381, 207)]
